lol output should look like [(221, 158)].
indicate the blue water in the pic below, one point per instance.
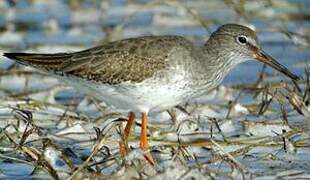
[(33, 21)]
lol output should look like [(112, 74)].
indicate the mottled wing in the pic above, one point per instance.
[(134, 59)]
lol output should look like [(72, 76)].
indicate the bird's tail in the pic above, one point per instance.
[(42, 61)]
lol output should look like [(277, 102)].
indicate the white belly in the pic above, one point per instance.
[(140, 98)]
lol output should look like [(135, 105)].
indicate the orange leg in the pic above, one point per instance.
[(131, 120), (124, 149), (143, 139)]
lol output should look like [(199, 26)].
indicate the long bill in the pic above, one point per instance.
[(263, 57)]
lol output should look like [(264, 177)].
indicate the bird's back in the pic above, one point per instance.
[(134, 59)]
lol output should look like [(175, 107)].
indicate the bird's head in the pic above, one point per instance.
[(242, 43)]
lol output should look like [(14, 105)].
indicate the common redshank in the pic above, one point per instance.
[(153, 73)]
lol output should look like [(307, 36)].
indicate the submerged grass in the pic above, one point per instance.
[(80, 138), (23, 137)]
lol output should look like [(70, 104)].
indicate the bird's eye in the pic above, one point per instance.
[(242, 40)]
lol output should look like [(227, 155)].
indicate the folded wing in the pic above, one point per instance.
[(134, 59)]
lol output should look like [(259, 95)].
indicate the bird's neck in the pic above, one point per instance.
[(218, 60)]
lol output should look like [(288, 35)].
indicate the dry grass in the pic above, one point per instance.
[(203, 149)]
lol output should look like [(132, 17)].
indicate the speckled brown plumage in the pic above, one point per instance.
[(154, 72), (133, 59)]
